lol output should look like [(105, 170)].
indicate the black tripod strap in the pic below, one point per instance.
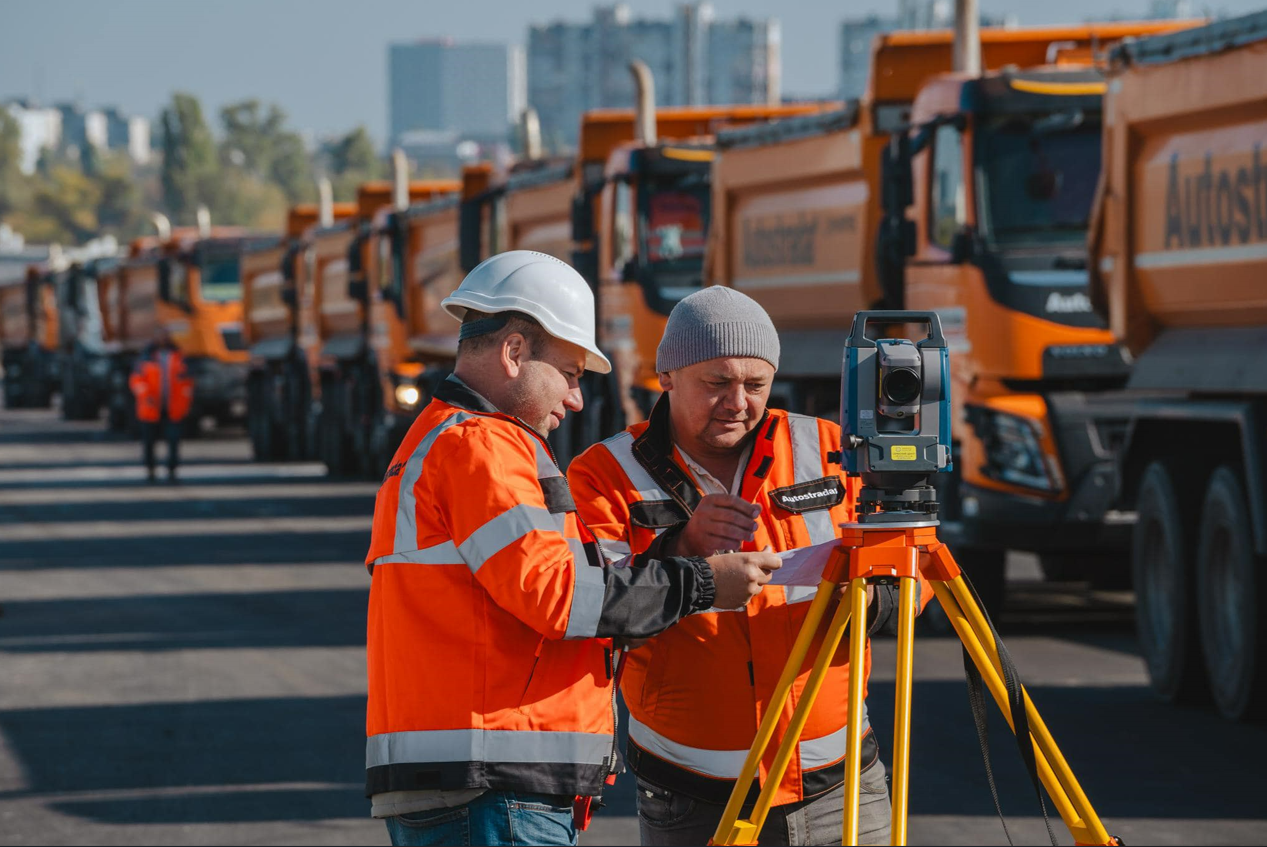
[(1020, 720)]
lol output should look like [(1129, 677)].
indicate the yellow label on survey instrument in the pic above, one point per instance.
[(903, 453)]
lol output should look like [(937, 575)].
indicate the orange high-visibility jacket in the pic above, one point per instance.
[(146, 383), (491, 612), (697, 693)]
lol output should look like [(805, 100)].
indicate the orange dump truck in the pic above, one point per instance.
[(29, 332), (277, 304), (189, 285), (1179, 254), (978, 213), (358, 332), (83, 363), (644, 213)]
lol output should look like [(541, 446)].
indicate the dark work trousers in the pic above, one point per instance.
[(150, 433)]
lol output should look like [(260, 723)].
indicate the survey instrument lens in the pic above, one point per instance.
[(901, 386)]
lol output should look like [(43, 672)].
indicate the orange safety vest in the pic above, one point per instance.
[(697, 692), (485, 597), (146, 383)]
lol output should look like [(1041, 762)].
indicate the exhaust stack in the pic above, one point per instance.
[(325, 203), (400, 180), (644, 86), (530, 134), (162, 225)]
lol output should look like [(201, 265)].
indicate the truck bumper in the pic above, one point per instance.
[(219, 388)]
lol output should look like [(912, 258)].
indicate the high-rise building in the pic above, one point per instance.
[(39, 129), (857, 35), (130, 133), (694, 59), (438, 85), (744, 63)]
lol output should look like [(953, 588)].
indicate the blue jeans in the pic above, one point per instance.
[(495, 817)]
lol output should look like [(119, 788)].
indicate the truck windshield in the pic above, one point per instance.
[(221, 279), (673, 224), (1036, 178)]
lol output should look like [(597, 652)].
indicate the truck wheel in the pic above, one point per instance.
[(1165, 605), (1228, 596), (332, 440)]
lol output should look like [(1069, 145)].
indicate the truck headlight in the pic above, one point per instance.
[(407, 396), (1012, 449)]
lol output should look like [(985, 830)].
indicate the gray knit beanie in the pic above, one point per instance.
[(714, 322)]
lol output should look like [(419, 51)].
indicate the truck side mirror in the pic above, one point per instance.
[(583, 216), (629, 272), (469, 219), (963, 246), (165, 280)]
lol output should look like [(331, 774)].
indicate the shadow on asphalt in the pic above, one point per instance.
[(1121, 743), (293, 618), (193, 549), (246, 506)]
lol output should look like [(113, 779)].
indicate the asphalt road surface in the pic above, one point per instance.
[(184, 665)]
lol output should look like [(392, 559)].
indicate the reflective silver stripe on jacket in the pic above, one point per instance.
[(621, 448), (505, 529), (588, 590), (727, 764), (406, 518), (807, 464), (438, 554), (486, 745)]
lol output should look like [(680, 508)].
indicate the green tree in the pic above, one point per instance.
[(256, 140), (190, 170), (13, 184), (63, 207), (355, 152), (121, 209), (353, 161)]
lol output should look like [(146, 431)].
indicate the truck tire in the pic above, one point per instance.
[(1165, 604), (1229, 593), (332, 439), (295, 409), (258, 419)]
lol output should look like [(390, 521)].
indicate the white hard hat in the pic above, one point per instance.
[(538, 285)]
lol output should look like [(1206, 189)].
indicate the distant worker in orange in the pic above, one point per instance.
[(164, 393), (714, 470)]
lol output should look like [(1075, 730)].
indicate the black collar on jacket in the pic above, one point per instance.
[(654, 451), (457, 393)]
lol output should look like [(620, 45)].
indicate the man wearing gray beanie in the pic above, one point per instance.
[(714, 469)]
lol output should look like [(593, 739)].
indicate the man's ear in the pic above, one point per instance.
[(514, 353), (666, 381)]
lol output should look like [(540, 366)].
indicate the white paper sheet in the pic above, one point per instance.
[(804, 566)]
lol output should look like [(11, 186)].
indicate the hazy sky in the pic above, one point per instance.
[(325, 61)]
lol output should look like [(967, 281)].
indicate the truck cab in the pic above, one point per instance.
[(200, 305), (1002, 178)]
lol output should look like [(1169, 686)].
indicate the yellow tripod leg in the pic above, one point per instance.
[(800, 715), (730, 830), (1054, 772), (856, 597), (907, 590)]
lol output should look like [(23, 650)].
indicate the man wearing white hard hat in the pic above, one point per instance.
[(493, 609)]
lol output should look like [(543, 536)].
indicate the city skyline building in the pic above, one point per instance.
[(694, 58), (440, 85)]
